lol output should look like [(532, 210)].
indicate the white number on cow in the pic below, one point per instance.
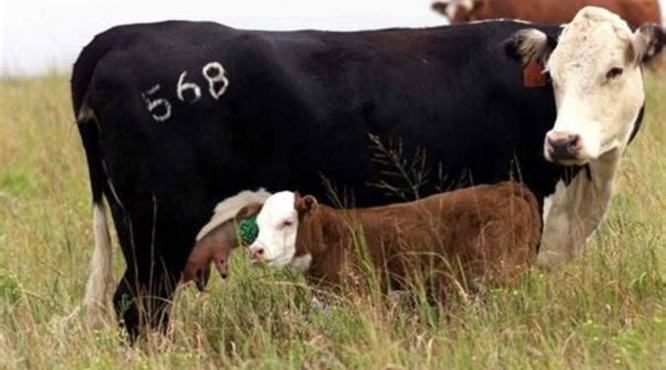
[(187, 92), (160, 108), (185, 86), (217, 79)]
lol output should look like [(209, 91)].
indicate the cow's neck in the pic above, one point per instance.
[(575, 210)]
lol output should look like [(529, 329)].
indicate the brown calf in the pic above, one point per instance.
[(487, 232)]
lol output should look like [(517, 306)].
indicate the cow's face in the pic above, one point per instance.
[(278, 223), (457, 11), (595, 69)]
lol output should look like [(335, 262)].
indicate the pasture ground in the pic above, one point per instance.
[(606, 309)]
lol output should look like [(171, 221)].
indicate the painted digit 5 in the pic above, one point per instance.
[(157, 105), (217, 79)]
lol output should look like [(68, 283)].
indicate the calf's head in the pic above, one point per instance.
[(596, 71), (278, 223)]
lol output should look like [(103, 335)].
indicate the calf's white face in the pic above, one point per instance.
[(597, 82), (278, 223)]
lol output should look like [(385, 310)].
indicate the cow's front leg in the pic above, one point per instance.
[(574, 211)]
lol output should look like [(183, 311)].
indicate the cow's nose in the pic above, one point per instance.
[(257, 252), (563, 146)]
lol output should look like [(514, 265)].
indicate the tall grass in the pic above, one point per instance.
[(606, 309)]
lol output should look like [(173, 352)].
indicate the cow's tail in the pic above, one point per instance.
[(100, 281)]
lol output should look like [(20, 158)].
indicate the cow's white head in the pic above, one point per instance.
[(457, 11), (278, 223), (595, 69)]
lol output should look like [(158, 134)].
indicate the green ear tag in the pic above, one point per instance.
[(248, 230)]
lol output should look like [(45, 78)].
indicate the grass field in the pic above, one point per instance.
[(606, 309)]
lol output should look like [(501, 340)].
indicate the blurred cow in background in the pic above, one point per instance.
[(635, 12)]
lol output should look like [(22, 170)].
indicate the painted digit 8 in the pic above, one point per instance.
[(217, 81)]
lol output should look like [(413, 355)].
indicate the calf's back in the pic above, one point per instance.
[(487, 232)]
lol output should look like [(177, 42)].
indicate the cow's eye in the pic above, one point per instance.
[(614, 72), (287, 223)]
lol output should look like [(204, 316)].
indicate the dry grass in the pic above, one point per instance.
[(607, 309)]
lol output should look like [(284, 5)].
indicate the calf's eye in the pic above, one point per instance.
[(614, 72), (287, 223)]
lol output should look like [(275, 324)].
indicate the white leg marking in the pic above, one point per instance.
[(547, 204), (100, 281), (576, 210), (556, 227)]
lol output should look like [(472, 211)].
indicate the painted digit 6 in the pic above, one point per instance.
[(153, 105), (184, 86), (217, 81)]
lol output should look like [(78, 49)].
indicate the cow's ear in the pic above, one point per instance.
[(247, 211), (441, 7), (305, 204), (530, 45), (648, 41)]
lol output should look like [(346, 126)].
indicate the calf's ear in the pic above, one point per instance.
[(529, 45), (247, 211), (648, 41), (305, 204)]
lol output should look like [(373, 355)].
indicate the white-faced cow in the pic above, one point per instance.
[(635, 12), (177, 116)]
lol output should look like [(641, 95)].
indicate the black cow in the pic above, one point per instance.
[(176, 116)]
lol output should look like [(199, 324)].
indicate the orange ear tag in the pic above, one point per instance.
[(533, 75)]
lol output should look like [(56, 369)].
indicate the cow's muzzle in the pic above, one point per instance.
[(562, 147)]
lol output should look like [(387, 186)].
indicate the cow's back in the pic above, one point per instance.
[(635, 12)]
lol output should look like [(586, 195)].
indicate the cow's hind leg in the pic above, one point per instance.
[(144, 295), (143, 305)]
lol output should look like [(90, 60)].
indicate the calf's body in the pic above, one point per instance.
[(485, 232)]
